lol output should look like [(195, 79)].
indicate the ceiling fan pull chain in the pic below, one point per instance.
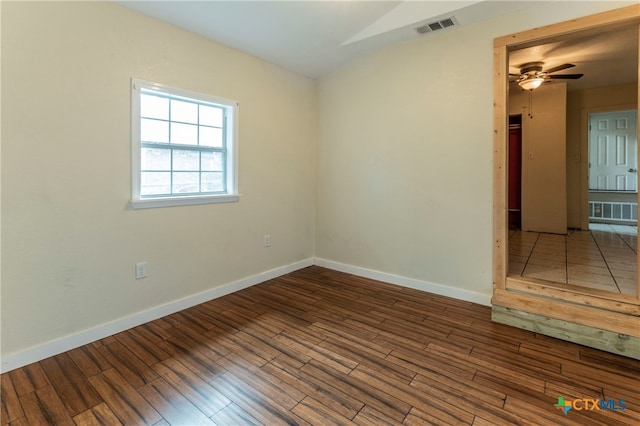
[(530, 103)]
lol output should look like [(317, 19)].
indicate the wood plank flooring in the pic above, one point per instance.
[(323, 347)]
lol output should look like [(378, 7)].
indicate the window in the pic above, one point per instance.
[(184, 147)]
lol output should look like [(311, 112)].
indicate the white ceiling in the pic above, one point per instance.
[(314, 38), (607, 58)]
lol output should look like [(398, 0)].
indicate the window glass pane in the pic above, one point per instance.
[(186, 182), (155, 159), (184, 148), (211, 116), (211, 136), (154, 107), (184, 111), (212, 161), (154, 130), (155, 183), (213, 182), (186, 134), (186, 160)]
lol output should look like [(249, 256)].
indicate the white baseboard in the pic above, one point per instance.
[(63, 344), (66, 343), (440, 289)]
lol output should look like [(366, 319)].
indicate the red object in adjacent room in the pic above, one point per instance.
[(515, 175)]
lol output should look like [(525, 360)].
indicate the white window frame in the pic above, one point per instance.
[(231, 107)]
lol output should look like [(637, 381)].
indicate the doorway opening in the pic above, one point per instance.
[(592, 316)]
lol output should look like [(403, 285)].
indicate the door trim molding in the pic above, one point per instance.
[(547, 298)]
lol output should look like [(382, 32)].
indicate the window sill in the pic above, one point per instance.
[(149, 203)]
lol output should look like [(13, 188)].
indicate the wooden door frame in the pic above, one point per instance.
[(592, 308)]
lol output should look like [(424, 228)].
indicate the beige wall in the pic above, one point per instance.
[(579, 105), (544, 187), (69, 239), (405, 154), (404, 161)]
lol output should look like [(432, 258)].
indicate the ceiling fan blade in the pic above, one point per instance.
[(559, 68), (565, 76)]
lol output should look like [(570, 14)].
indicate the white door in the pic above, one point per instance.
[(613, 151)]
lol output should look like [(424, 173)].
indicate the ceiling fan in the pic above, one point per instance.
[(532, 75)]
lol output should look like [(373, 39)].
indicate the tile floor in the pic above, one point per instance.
[(605, 257)]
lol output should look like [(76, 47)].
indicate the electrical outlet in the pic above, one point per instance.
[(141, 270), (267, 240)]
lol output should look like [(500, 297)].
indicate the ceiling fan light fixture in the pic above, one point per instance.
[(531, 83)]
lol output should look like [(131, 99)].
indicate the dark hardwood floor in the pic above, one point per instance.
[(322, 347)]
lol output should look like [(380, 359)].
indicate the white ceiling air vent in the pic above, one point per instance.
[(437, 25)]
